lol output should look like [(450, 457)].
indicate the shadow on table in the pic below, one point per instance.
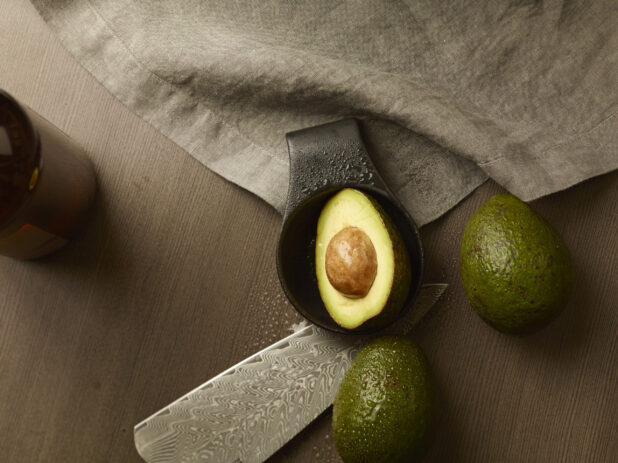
[(97, 257), (585, 222), (448, 428)]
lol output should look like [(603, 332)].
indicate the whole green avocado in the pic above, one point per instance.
[(384, 408), (516, 270)]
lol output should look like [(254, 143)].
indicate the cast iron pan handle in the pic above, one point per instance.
[(323, 160), (328, 156)]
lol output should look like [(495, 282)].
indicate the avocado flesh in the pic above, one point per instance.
[(516, 270), (383, 302), (384, 409)]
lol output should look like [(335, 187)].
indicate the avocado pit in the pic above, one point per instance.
[(351, 262)]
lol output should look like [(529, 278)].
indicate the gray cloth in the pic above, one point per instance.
[(449, 92)]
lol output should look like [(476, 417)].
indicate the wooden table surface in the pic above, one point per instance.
[(174, 281)]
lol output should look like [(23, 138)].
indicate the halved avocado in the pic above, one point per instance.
[(362, 265)]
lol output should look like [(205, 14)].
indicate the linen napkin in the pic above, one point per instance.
[(449, 92)]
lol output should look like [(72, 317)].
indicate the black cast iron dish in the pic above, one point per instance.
[(323, 160)]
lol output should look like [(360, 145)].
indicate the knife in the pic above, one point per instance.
[(248, 412)]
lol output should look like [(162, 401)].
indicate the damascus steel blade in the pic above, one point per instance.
[(249, 411)]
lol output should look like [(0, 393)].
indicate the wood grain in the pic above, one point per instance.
[(174, 280)]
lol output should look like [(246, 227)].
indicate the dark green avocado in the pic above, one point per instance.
[(515, 268), (384, 409)]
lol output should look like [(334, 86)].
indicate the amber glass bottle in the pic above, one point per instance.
[(47, 183)]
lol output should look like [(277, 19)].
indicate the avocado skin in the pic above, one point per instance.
[(392, 372), (516, 270), (401, 279)]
